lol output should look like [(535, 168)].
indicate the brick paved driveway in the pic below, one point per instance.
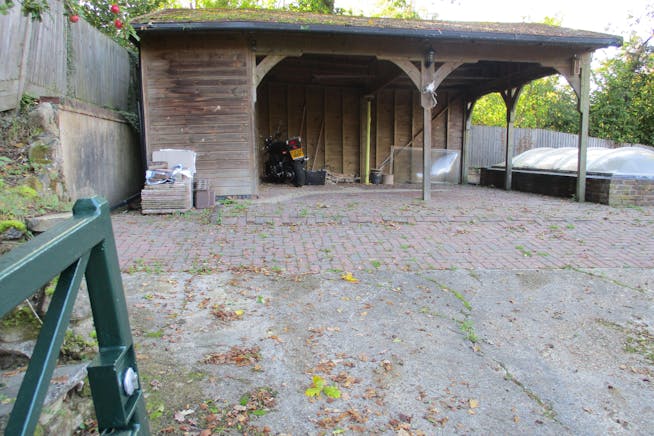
[(350, 227)]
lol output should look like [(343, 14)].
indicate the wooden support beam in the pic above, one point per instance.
[(572, 73), (512, 80), (265, 66), (445, 70), (584, 105), (407, 66), (427, 102), (467, 130), (406, 48), (510, 97), (366, 120)]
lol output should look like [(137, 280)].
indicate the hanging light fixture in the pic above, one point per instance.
[(429, 57)]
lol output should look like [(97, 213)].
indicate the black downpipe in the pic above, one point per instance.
[(139, 106)]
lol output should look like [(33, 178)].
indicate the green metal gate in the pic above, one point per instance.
[(81, 246)]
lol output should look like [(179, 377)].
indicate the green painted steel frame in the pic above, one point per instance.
[(80, 247)]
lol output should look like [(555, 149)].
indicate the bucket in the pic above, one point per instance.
[(375, 177), (387, 179)]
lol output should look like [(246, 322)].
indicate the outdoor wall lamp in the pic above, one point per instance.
[(429, 57)]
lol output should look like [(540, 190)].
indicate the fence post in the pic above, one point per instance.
[(22, 69)]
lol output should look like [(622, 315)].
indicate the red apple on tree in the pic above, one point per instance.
[(118, 24), (74, 18), (115, 9)]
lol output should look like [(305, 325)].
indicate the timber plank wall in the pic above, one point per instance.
[(197, 96), (332, 128)]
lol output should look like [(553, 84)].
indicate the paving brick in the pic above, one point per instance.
[(346, 227)]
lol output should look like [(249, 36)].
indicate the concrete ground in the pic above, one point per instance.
[(482, 311)]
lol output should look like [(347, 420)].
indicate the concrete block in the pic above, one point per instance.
[(43, 223)]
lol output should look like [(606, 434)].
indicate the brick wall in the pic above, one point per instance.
[(628, 191), (600, 188)]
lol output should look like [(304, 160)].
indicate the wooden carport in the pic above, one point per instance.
[(213, 81)]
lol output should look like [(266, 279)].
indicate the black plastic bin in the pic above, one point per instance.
[(316, 177)]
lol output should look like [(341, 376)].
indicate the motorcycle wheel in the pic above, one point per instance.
[(300, 173)]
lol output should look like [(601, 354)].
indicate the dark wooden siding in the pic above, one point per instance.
[(327, 119), (198, 97), (331, 130)]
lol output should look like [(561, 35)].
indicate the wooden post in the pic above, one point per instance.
[(426, 154), (510, 97), (366, 161), (467, 130), (24, 59), (584, 104), (427, 103)]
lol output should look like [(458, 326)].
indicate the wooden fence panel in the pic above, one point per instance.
[(46, 66), (100, 70), (487, 143), (13, 30), (39, 58)]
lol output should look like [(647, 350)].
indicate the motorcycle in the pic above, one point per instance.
[(286, 161)]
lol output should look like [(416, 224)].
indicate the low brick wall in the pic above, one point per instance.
[(628, 191), (600, 188)]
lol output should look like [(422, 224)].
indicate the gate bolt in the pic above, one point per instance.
[(130, 381)]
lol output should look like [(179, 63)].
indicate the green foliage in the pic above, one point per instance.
[(489, 111), (22, 201), (26, 191), (544, 104), (16, 129), (76, 347), (22, 315), (622, 98), (98, 13), (236, 4), (27, 102), (396, 9), (8, 224), (157, 334), (319, 386), (319, 6), (34, 9), (469, 331), (548, 103), (622, 106)]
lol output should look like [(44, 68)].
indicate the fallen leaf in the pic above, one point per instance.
[(473, 403), (241, 356), (349, 278), (180, 416), (332, 391)]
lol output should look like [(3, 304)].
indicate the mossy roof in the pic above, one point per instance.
[(276, 20)]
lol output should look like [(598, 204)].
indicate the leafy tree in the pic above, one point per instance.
[(236, 4), (320, 6), (622, 106), (35, 9), (548, 104), (396, 9), (490, 111), (544, 104), (99, 14)]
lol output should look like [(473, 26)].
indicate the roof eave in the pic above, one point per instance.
[(586, 41)]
